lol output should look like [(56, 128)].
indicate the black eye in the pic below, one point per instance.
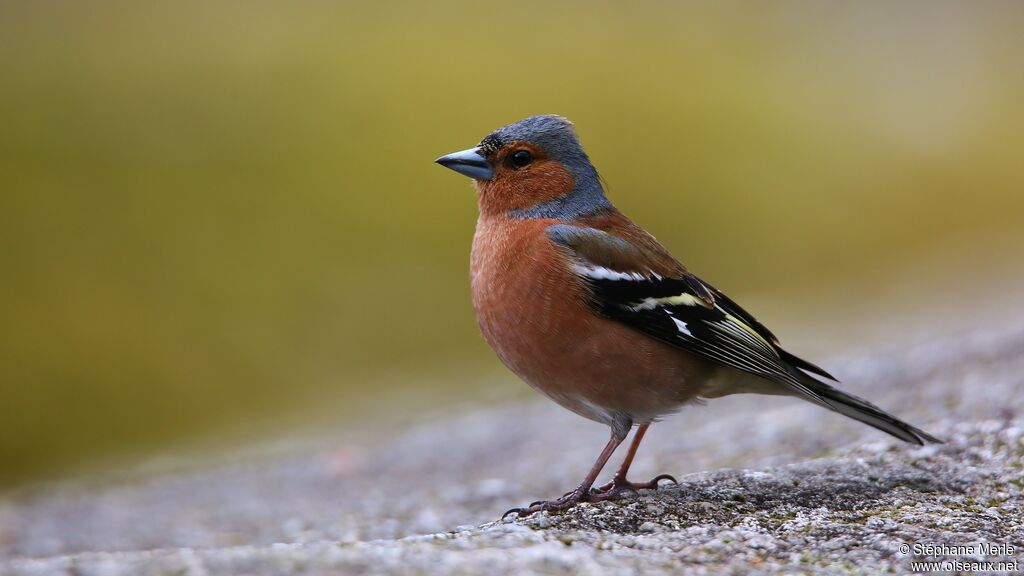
[(520, 158)]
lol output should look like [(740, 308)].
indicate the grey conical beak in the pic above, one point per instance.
[(468, 163)]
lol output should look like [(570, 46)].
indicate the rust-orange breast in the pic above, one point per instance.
[(534, 313)]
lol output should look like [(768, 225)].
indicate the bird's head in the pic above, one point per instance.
[(534, 168)]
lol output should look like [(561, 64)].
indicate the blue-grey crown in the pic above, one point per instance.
[(556, 136)]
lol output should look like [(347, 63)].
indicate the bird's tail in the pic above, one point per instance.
[(862, 411)]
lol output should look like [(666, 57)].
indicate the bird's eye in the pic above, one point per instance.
[(520, 158)]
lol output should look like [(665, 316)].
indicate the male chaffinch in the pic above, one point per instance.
[(589, 309)]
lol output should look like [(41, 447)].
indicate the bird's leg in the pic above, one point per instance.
[(581, 493), (619, 485)]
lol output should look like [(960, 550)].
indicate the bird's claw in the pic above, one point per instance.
[(565, 502), (619, 487), (656, 481), (616, 488), (517, 511)]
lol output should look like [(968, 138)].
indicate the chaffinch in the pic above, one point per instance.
[(589, 309)]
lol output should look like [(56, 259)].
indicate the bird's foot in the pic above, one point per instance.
[(566, 501), (619, 487)]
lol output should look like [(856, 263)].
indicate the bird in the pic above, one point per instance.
[(590, 310)]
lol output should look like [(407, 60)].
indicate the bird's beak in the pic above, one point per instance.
[(468, 163)]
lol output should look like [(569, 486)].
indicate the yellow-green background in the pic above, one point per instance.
[(224, 216)]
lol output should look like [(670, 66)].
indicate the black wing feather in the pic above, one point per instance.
[(733, 308), (673, 310)]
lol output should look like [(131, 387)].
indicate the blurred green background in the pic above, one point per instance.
[(221, 219)]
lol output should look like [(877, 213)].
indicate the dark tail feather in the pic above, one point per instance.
[(805, 365), (864, 411)]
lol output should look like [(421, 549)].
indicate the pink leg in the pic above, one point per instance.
[(619, 485), (582, 492)]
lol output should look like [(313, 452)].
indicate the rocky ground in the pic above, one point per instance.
[(770, 484)]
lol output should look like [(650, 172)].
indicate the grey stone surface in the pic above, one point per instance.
[(766, 484)]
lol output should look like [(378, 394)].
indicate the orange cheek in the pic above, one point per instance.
[(521, 189)]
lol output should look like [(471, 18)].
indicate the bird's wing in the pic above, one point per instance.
[(632, 279), (633, 284)]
